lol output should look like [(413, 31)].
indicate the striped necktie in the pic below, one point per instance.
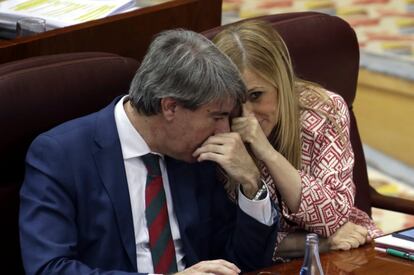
[(156, 213)]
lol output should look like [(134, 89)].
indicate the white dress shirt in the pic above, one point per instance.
[(133, 147)]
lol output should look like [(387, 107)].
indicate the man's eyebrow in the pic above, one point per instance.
[(218, 113)]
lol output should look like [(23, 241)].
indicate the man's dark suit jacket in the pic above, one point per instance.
[(75, 214)]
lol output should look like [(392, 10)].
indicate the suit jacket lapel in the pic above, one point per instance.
[(110, 164)]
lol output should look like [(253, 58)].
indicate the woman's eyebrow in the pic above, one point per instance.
[(255, 88)]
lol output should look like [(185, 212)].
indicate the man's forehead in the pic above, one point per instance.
[(236, 111), (225, 105)]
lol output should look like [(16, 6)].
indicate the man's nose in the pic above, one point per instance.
[(223, 126)]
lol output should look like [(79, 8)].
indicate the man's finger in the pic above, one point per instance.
[(221, 267), (213, 148), (212, 157)]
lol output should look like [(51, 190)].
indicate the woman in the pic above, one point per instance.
[(298, 135)]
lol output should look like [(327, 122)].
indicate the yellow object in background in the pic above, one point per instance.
[(351, 10), (389, 189), (404, 22), (319, 4)]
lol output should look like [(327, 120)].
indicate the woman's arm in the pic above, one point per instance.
[(319, 197), (348, 236), (286, 177), (328, 190)]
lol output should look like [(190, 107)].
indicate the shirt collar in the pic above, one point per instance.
[(132, 143)]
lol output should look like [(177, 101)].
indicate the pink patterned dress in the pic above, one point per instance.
[(328, 191)]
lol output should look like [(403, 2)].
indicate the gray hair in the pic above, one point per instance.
[(188, 67)]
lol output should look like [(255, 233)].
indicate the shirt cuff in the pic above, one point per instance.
[(260, 210)]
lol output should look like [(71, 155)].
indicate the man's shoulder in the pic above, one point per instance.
[(81, 130), (77, 128), (82, 125)]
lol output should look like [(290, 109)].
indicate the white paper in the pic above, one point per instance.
[(388, 241), (62, 13)]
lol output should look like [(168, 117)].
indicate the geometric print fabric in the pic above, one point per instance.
[(328, 190)]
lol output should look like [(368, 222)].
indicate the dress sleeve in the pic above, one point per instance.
[(361, 218), (328, 190)]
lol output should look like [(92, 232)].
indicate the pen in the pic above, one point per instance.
[(401, 254), (397, 253)]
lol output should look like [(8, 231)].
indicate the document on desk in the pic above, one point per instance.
[(389, 241), (62, 13)]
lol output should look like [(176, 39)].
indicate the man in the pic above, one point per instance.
[(123, 190)]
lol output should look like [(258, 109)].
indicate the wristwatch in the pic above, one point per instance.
[(261, 193)]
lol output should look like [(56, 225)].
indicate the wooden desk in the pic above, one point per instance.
[(127, 34), (364, 261)]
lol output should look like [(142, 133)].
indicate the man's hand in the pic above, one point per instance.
[(229, 151), (220, 267), (348, 236)]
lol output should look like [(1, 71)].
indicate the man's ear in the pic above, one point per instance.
[(169, 108)]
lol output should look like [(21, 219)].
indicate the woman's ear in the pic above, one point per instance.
[(168, 108)]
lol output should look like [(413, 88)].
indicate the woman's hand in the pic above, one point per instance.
[(228, 150), (348, 236), (251, 132)]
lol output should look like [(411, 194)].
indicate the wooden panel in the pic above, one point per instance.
[(127, 34), (384, 107)]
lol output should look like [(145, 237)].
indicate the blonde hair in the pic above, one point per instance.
[(254, 45)]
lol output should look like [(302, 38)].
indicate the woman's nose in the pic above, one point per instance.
[(247, 109)]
